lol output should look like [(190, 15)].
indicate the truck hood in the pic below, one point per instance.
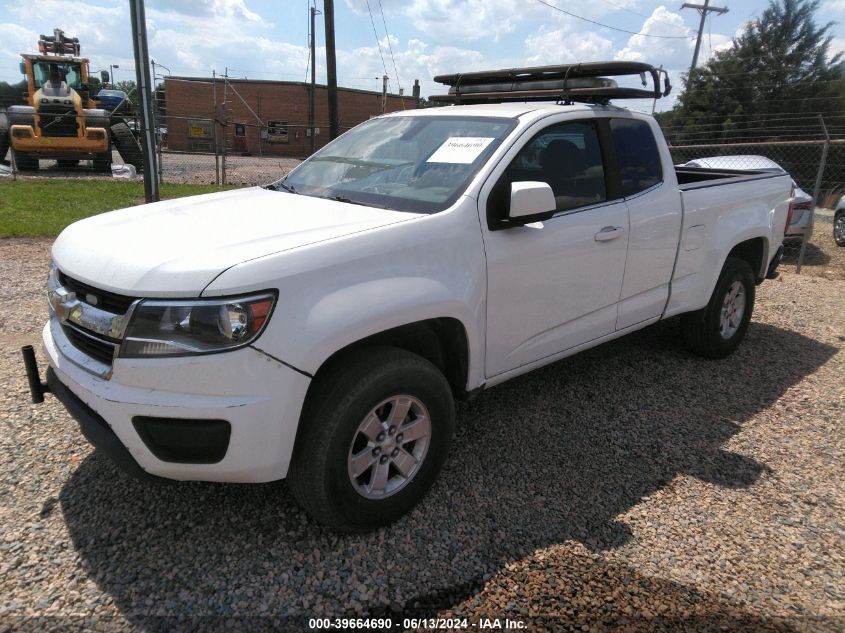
[(176, 247)]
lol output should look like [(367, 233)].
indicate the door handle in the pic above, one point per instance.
[(609, 233)]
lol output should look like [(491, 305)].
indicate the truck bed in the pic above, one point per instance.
[(699, 177)]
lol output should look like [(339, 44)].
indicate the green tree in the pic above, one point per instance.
[(127, 86), (772, 82)]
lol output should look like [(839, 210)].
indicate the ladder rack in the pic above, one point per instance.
[(587, 82)]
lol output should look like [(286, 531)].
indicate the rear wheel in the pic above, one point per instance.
[(372, 439), (716, 330), (24, 161), (839, 228), (127, 146), (102, 162)]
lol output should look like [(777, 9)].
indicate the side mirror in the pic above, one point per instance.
[(531, 202), (23, 68)]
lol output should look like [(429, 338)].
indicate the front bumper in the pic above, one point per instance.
[(258, 396), (96, 141)]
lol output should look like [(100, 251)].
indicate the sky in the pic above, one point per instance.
[(405, 39)]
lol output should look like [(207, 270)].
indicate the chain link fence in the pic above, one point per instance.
[(817, 168), (236, 151), (207, 154)]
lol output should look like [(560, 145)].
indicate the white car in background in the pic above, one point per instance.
[(802, 202)]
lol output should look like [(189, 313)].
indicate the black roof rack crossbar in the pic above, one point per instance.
[(550, 83)]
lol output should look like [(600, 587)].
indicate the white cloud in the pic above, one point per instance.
[(837, 45), (670, 53), (473, 20), (834, 6), (226, 9), (14, 40), (415, 60), (557, 46)]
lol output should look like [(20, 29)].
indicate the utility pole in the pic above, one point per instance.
[(142, 74), (703, 9), (331, 67), (159, 113), (214, 127), (384, 94), (312, 96)]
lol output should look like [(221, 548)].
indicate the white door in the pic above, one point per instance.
[(556, 284), (654, 209)]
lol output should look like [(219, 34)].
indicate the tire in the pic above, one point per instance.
[(347, 396), (839, 228), (102, 162), (127, 146), (25, 162), (4, 138), (716, 330), (67, 164)]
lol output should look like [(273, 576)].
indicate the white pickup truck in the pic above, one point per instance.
[(319, 329)]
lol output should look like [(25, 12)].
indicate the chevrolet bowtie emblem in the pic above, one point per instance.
[(62, 303)]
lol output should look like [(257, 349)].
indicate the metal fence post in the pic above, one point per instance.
[(808, 232)]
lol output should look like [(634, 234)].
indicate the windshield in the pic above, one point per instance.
[(407, 163), (69, 72)]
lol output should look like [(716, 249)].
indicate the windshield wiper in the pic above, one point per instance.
[(351, 201), (282, 185), (359, 162)]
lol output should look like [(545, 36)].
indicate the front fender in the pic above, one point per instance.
[(341, 291), (356, 312)]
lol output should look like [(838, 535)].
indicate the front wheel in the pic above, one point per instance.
[(25, 162), (716, 330), (372, 440)]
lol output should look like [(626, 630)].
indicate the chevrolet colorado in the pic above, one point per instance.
[(320, 328)]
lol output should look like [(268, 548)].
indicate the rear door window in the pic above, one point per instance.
[(636, 154)]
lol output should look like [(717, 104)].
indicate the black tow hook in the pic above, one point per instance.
[(37, 389)]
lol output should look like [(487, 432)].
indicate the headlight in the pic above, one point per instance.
[(179, 328)]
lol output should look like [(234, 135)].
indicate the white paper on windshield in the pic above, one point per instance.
[(460, 149)]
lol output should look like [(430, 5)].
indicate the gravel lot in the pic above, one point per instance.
[(188, 168), (631, 486)]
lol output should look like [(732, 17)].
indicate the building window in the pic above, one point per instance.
[(277, 131)]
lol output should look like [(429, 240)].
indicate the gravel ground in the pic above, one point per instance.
[(632, 486), (822, 258), (188, 168)]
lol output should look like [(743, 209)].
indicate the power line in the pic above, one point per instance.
[(703, 9), (373, 22), (637, 13), (390, 47), (612, 28), (791, 117)]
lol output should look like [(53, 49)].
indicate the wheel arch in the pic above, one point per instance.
[(443, 341), (754, 252)]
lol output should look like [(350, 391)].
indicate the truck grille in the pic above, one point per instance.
[(103, 299), (91, 344), (58, 120)]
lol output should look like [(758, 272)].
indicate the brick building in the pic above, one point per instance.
[(264, 117)]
